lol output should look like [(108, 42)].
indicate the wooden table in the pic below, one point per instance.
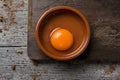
[(13, 52)]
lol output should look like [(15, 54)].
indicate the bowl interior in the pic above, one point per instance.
[(66, 19)]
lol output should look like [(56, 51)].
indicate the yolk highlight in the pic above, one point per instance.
[(61, 39)]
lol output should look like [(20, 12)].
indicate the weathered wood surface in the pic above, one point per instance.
[(103, 17), (51, 70), (14, 23), (26, 70)]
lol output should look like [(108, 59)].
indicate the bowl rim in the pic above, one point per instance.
[(82, 47)]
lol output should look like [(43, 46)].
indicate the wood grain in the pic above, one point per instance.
[(49, 70), (14, 24), (104, 21)]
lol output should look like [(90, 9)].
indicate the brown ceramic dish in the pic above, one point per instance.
[(67, 18)]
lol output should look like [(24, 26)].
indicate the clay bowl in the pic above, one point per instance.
[(67, 18)]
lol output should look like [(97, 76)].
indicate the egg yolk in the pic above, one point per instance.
[(61, 39)]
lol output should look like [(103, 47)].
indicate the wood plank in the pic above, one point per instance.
[(26, 70), (14, 24), (9, 55), (104, 21)]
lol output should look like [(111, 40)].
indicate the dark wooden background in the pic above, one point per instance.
[(103, 17)]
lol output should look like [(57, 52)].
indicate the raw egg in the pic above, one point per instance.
[(61, 39)]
